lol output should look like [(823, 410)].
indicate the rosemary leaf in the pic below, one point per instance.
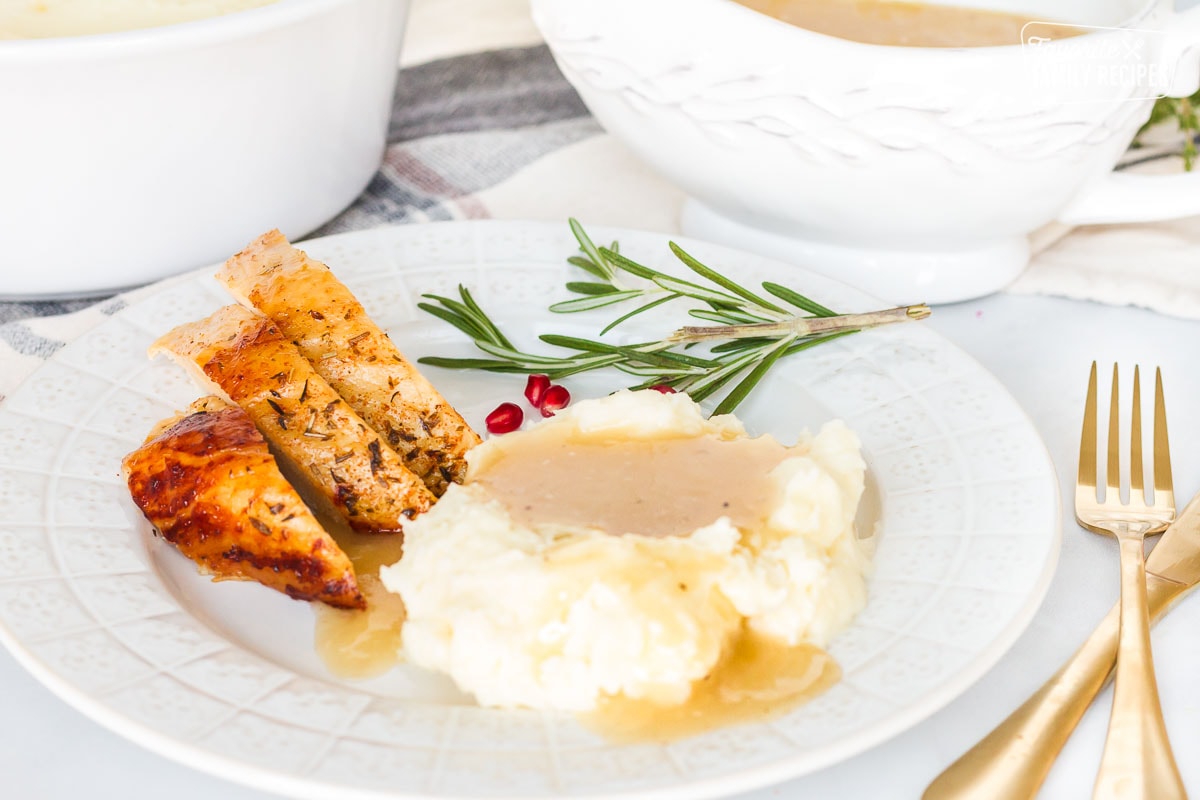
[(798, 300), (805, 344), (666, 298), (639, 353), (584, 287), (482, 319), (592, 301), (654, 381), (658, 373), (586, 265), (738, 345), (706, 385), (690, 289), (583, 365), (663, 359), (629, 265), (487, 364), (514, 355), (575, 343), (457, 306), (457, 320), (590, 250), (680, 358), (747, 384), (721, 280), (726, 317), (702, 391)]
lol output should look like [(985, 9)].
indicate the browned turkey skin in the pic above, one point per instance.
[(211, 487)]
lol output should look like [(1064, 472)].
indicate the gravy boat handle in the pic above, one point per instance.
[(1127, 198)]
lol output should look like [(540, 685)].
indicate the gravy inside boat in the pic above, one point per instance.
[(893, 22)]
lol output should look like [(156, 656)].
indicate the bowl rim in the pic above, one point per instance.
[(192, 33)]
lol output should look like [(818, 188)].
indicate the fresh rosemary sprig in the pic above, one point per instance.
[(754, 330), (1181, 111)]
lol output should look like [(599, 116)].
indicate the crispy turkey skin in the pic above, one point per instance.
[(210, 486)]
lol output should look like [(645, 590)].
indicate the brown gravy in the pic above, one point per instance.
[(360, 644), (893, 22), (653, 487), (758, 679)]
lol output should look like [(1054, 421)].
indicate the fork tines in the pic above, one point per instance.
[(1162, 490)]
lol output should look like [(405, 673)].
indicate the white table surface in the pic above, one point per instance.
[(1040, 348)]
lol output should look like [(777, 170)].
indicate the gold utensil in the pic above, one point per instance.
[(1012, 761), (1137, 760)]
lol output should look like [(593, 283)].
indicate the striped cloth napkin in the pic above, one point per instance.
[(502, 134), (462, 127)]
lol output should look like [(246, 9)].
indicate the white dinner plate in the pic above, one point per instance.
[(224, 677)]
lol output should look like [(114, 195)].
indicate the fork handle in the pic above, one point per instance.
[(1012, 761), (1137, 760)]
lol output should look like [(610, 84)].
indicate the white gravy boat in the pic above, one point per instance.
[(916, 173)]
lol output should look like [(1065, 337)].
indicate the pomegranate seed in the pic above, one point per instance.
[(535, 389), (554, 399), (662, 388), (505, 419)]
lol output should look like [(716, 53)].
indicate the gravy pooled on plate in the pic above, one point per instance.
[(757, 679), (362, 644), (893, 22)]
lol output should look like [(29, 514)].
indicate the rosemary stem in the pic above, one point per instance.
[(800, 326)]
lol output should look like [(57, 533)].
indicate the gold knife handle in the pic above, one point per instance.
[(1013, 760)]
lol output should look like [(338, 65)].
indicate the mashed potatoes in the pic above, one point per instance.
[(621, 546), (41, 19)]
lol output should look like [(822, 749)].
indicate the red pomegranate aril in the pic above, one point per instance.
[(662, 388), (505, 419), (554, 399), (535, 389)]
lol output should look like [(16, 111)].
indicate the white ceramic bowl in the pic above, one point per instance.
[(916, 173), (130, 156)]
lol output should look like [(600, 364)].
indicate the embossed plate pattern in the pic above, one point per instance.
[(223, 676)]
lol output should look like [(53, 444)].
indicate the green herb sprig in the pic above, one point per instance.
[(1183, 112), (753, 330)]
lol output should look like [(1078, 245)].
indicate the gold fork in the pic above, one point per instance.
[(1137, 760)]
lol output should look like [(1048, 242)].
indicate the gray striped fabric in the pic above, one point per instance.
[(19, 310), (459, 125)]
